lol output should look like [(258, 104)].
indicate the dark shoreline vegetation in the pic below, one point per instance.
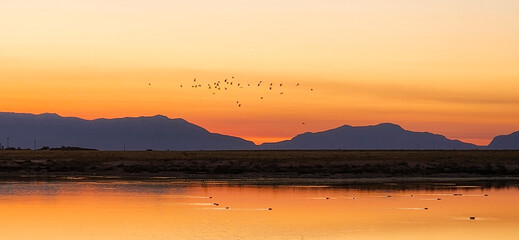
[(263, 167)]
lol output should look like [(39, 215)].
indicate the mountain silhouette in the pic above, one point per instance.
[(140, 133), (381, 136), (162, 133), (504, 142)]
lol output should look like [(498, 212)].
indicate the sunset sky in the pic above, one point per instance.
[(448, 67)]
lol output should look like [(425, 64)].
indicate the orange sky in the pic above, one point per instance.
[(449, 67)]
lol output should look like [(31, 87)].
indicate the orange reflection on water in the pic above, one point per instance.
[(133, 210)]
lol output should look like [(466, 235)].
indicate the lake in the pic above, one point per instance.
[(129, 210)]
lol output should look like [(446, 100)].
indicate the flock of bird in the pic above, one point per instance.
[(228, 84)]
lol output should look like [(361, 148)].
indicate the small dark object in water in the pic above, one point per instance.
[(412, 195), (426, 208), (388, 195), (486, 195), (226, 207), (210, 197), (438, 199), (216, 204), (353, 198), (327, 198), (270, 209), (472, 218)]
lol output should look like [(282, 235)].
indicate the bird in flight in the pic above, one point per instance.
[(229, 86)]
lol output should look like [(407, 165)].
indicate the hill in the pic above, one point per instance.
[(510, 141), (140, 133), (382, 136)]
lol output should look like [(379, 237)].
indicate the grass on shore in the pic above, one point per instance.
[(261, 164)]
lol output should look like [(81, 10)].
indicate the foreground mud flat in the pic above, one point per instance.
[(265, 167)]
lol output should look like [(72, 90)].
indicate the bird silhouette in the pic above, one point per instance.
[(230, 87)]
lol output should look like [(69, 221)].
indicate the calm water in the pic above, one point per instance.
[(139, 210)]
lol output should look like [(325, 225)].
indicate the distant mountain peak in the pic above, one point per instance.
[(510, 141), (160, 116), (156, 132), (389, 125), (379, 136), (53, 115)]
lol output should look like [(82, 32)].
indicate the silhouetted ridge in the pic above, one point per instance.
[(133, 133), (162, 133), (381, 136), (510, 141)]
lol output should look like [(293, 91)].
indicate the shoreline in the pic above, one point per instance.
[(388, 181), (264, 167)]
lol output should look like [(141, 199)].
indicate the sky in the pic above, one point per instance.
[(448, 67)]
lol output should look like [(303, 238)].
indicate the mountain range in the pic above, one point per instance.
[(162, 133), (141, 133)]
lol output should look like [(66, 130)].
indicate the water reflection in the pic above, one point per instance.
[(200, 210)]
